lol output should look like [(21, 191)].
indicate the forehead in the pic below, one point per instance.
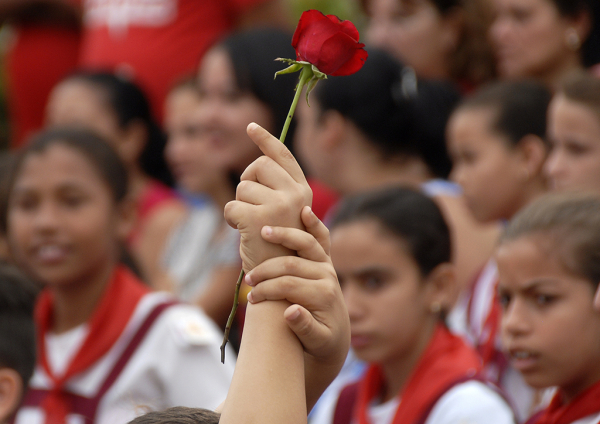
[(365, 242), (56, 165), (468, 123), (530, 258), (216, 68)]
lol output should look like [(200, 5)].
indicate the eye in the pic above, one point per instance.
[(373, 282), (25, 202), (544, 299), (504, 300), (575, 148)]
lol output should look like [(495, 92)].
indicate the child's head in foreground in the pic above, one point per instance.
[(391, 252), (179, 415), (17, 338), (549, 265)]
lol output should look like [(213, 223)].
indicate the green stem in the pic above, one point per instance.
[(305, 75)]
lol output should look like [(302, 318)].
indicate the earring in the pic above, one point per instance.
[(435, 308), (572, 39)]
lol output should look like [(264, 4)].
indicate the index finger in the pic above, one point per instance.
[(276, 150)]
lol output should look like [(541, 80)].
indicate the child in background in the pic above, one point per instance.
[(391, 252), (17, 338), (574, 131), (381, 127), (498, 145), (106, 344), (548, 261), (202, 254), (118, 110), (545, 39)]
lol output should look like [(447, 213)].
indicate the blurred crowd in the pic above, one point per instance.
[(483, 106)]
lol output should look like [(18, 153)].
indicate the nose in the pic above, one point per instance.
[(352, 299), (554, 168), (377, 33), (46, 217), (515, 319), (499, 30)]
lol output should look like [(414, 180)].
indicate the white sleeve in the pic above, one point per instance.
[(471, 402), (190, 366)]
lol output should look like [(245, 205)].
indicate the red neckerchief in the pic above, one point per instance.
[(106, 324), (583, 405), (446, 360), (486, 342)]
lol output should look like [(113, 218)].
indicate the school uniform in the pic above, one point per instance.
[(445, 387), (140, 351), (482, 316), (584, 409)]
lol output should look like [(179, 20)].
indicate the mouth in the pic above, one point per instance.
[(50, 254), (523, 360), (359, 341)]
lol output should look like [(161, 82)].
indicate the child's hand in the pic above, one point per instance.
[(272, 191), (318, 313)]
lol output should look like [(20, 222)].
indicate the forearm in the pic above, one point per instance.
[(268, 382), (318, 377)]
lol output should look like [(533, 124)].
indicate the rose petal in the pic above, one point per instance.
[(349, 28), (329, 43), (335, 52), (306, 20), (354, 64), (310, 42)]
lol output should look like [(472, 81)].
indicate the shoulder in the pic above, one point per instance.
[(182, 324), (472, 402)]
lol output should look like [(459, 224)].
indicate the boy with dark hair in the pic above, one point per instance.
[(179, 415), (17, 338)]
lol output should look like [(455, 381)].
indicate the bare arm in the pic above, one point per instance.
[(268, 382), (318, 315)]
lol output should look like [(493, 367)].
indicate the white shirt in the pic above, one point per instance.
[(176, 364), (471, 402)]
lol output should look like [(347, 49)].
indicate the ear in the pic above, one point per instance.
[(11, 392), (125, 218), (534, 152), (133, 140), (442, 289), (333, 127), (582, 24)]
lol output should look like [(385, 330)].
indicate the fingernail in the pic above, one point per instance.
[(311, 211), (249, 297), (248, 279), (252, 126), (294, 315), (268, 231)]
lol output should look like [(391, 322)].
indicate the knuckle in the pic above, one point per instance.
[(285, 154), (290, 266)]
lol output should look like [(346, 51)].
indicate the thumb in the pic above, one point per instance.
[(304, 325)]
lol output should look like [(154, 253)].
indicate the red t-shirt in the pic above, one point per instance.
[(155, 41), (41, 56)]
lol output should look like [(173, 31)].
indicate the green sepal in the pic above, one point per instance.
[(318, 74), (310, 86), (289, 70)]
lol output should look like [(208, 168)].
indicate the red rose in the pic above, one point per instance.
[(328, 43)]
